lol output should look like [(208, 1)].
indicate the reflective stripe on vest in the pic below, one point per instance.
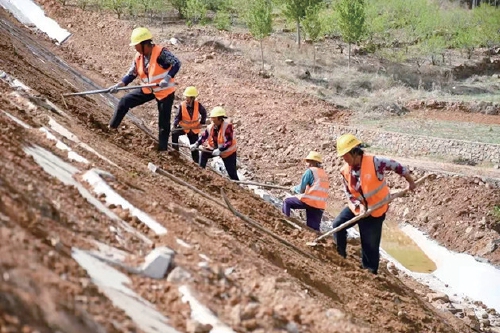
[(187, 122), (373, 189), (373, 192), (155, 74), (221, 139), (316, 195)]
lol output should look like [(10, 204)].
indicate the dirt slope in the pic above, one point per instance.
[(277, 126), (273, 286)]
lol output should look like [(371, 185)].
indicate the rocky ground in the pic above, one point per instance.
[(250, 280)]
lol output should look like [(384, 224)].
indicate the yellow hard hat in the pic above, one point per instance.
[(345, 143), (140, 35), (217, 111), (191, 92), (314, 156)]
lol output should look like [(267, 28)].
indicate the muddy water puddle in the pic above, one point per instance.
[(402, 248)]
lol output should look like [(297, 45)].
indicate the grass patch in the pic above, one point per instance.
[(464, 161), (435, 128), (496, 212)]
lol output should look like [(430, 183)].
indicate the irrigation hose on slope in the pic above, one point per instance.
[(261, 228), (245, 219)]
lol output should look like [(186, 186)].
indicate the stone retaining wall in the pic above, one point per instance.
[(416, 145)]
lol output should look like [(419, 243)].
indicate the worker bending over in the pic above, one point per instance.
[(313, 192), (153, 64), (365, 186), (219, 139), (190, 116)]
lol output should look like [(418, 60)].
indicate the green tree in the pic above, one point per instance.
[(296, 10), (487, 21), (118, 6), (180, 6), (313, 28), (351, 22), (259, 20), (224, 16), (195, 11)]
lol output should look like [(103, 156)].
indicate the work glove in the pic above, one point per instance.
[(216, 152), (292, 189), (165, 82), (194, 146), (113, 89)]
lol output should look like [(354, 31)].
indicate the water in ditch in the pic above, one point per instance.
[(402, 248)]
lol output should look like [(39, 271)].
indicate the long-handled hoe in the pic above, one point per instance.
[(100, 91)]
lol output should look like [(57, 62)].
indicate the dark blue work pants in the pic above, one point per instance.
[(136, 98), (229, 164), (370, 230), (313, 215)]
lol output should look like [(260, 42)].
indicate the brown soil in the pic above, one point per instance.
[(274, 129)]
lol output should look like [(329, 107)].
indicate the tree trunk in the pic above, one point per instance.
[(349, 57), (162, 19), (262, 54), (298, 34), (314, 58)]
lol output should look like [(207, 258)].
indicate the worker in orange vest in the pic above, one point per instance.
[(312, 192), (219, 139), (190, 117), (365, 186), (153, 64)]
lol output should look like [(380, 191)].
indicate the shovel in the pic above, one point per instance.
[(100, 91), (365, 214)]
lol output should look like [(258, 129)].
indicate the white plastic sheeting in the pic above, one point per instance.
[(29, 13), (202, 314), (114, 284)]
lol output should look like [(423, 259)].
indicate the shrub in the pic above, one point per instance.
[(223, 20)]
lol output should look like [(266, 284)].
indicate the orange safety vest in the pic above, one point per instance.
[(189, 123), (317, 194), (221, 139), (155, 73), (373, 190)]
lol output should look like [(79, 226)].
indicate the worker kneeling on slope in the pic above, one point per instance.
[(312, 192), (219, 139), (190, 117), (153, 64), (365, 186)]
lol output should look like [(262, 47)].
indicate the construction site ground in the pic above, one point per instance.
[(251, 281)]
